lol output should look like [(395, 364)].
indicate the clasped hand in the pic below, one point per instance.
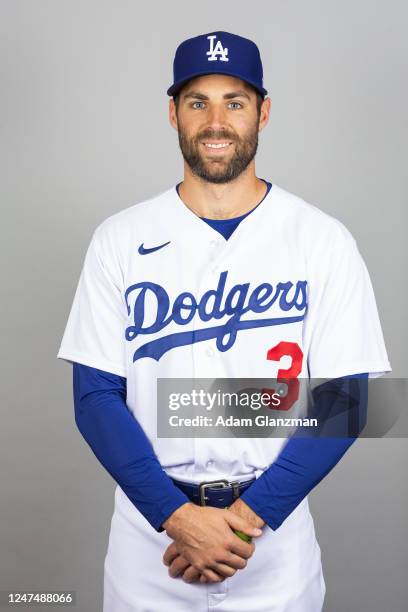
[(204, 546)]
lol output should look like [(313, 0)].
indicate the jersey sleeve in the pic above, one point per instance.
[(343, 329), (94, 333)]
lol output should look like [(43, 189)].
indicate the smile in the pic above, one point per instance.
[(218, 145)]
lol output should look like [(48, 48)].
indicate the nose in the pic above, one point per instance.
[(216, 117)]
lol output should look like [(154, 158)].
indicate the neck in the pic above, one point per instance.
[(224, 201)]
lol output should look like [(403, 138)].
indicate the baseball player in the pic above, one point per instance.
[(224, 275)]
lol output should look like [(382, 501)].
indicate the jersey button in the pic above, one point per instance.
[(209, 463)]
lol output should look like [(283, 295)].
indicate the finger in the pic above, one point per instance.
[(241, 548), (212, 576), (178, 566), (191, 574), (237, 522), (203, 578), (232, 560), (170, 554), (223, 570)]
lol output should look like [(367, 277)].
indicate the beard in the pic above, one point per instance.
[(217, 170)]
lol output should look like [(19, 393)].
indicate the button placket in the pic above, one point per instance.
[(205, 355)]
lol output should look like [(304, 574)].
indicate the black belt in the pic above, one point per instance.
[(217, 493)]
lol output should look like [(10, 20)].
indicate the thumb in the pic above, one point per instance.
[(236, 522)]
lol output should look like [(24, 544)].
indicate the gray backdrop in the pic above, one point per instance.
[(84, 133)]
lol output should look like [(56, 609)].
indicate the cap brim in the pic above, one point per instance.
[(179, 84)]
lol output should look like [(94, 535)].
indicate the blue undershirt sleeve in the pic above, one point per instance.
[(121, 445), (305, 461)]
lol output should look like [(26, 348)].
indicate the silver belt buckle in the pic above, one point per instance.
[(210, 483)]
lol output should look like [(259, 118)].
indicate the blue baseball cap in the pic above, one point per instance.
[(217, 53)]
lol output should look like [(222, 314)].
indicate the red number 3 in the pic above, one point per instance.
[(288, 376)]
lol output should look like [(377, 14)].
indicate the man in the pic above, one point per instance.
[(223, 276)]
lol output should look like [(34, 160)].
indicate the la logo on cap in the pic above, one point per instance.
[(216, 51)]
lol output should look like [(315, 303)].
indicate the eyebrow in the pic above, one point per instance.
[(240, 93)]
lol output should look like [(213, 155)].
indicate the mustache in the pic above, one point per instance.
[(216, 135)]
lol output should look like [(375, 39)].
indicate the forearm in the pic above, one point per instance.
[(120, 444), (282, 487), (304, 462)]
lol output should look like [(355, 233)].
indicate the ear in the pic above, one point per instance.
[(173, 114), (264, 115)]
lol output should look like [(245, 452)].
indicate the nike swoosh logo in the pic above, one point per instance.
[(144, 251)]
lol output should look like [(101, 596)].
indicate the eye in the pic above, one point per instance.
[(235, 105), (194, 105)]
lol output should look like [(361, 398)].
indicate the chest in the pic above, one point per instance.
[(214, 297)]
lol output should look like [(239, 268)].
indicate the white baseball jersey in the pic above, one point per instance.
[(164, 295)]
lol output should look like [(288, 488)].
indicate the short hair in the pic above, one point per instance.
[(259, 99)]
